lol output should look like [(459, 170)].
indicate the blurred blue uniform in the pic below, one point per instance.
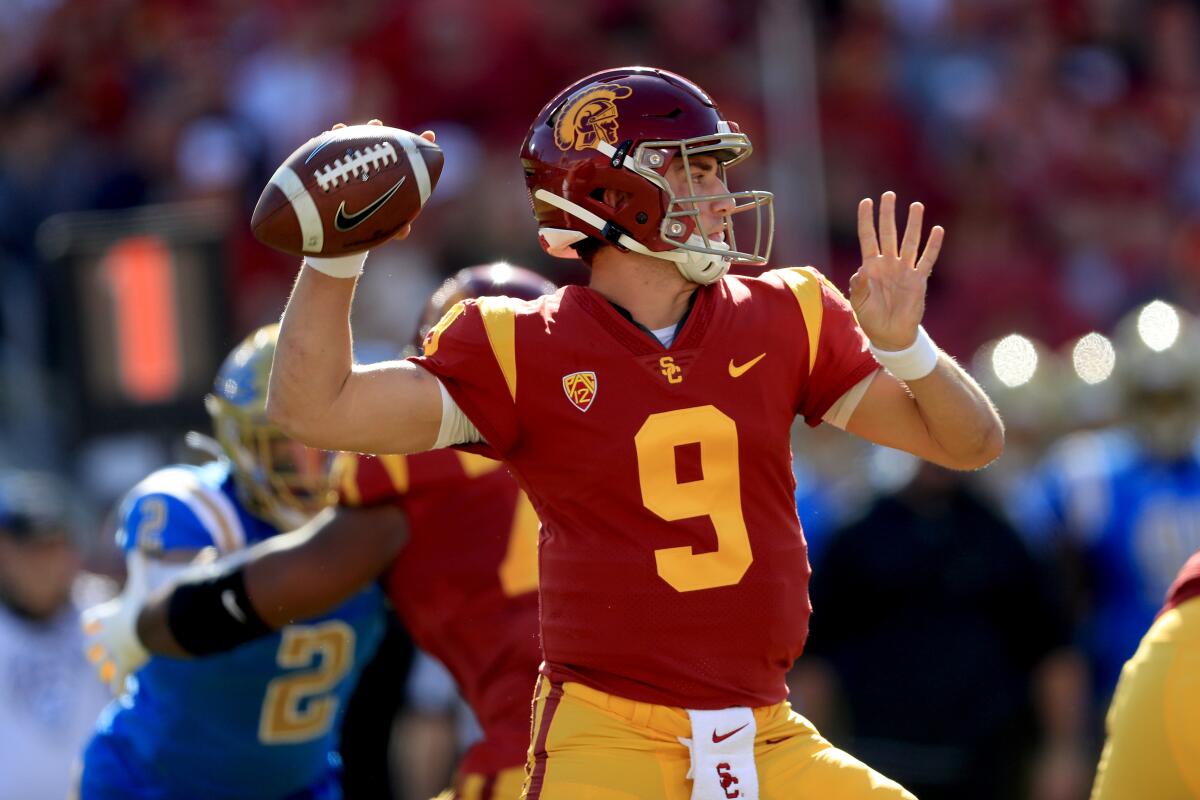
[(1134, 519), (259, 722)]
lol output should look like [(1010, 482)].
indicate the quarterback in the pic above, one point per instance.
[(647, 416)]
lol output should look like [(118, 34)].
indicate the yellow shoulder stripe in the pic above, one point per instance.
[(430, 345), (345, 478), (475, 465), (805, 283), (500, 322), (397, 470)]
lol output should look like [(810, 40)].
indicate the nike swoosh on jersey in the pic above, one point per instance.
[(231, 605), (348, 222), (738, 371), (718, 739)]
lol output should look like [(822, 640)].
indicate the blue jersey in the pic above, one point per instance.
[(258, 722), (1135, 519)]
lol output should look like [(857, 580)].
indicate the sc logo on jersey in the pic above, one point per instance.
[(590, 117), (670, 370)]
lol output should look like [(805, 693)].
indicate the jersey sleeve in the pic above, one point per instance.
[(472, 350), (838, 352), (364, 481), (172, 509)]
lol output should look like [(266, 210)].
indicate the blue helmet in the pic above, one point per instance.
[(279, 479)]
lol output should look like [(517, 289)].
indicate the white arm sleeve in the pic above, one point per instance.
[(840, 412), (455, 427)]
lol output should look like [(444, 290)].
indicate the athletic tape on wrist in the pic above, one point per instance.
[(913, 362), (214, 615), (341, 267)]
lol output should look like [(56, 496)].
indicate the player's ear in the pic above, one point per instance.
[(615, 198)]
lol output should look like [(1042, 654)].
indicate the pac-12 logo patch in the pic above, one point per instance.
[(589, 117), (580, 388)]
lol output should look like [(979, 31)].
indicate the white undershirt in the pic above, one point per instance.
[(665, 335)]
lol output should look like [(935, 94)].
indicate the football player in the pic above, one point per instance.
[(647, 417), (1153, 745), (261, 721), (1125, 500), (464, 583)]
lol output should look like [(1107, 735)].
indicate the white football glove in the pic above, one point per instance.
[(110, 629)]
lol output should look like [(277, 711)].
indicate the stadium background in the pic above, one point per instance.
[(1056, 141)]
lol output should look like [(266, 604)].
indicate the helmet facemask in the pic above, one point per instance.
[(650, 160), (279, 479)]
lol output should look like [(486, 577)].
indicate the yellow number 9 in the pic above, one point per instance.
[(716, 495)]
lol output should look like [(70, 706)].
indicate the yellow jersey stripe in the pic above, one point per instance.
[(475, 465), (805, 283), (430, 345), (397, 470), (500, 322), (345, 478)]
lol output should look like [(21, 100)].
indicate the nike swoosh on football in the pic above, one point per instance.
[(231, 605), (718, 739), (737, 372), (348, 222)]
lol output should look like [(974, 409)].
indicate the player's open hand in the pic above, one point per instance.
[(110, 639), (888, 290), (428, 136)]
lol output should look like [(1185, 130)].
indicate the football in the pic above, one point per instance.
[(347, 191)]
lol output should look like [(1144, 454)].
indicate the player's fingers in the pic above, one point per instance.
[(337, 125), (932, 248), (912, 234), (887, 224), (96, 653), (429, 136), (866, 229), (403, 233), (375, 122)]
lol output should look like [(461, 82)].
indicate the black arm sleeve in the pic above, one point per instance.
[(214, 615)]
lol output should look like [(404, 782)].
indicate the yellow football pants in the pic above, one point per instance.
[(589, 745), (1153, 745), (504, 785)]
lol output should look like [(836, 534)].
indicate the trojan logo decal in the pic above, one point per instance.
[(580, 388), (590, 117)]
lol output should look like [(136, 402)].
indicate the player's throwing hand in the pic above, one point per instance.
[(888, 290)]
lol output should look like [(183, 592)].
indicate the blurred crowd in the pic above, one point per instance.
[(1058, 143)]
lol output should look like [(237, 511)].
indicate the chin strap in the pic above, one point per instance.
[(696, 267)]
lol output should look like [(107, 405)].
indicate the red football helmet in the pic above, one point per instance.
[(621, 129), (486, 280)]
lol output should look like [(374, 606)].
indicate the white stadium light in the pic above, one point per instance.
[(1158, 325), (1014, 360), (1093, 358)]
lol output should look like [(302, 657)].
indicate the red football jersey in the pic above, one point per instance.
[(673, 567), (465, 583), (1186, 585)]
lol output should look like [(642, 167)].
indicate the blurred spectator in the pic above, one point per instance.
[(942, 640), (48, 698)]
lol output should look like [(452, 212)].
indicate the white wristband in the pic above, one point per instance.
[(340, 267), (913, 362)]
